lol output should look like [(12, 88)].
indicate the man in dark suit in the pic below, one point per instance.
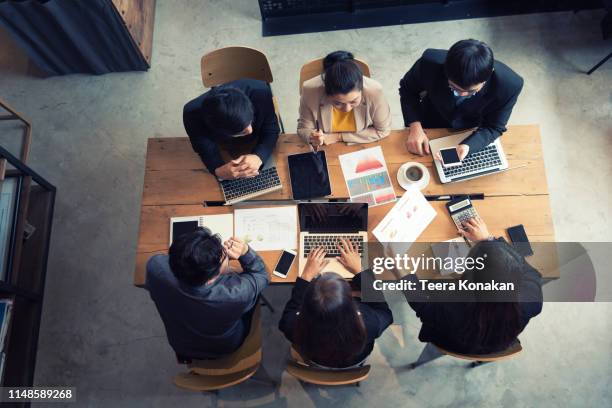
[(233, 116), (205, 306), (460, 88)]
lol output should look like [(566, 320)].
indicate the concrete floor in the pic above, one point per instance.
[(103, 336)]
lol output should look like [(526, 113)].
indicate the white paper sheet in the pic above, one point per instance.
[(267, 229), (407, 219), (222, 224)]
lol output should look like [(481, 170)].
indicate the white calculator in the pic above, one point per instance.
[(460, 210)]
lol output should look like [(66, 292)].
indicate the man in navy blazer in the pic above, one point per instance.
[(460, 88), (237, 115)]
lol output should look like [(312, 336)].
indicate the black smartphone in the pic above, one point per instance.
[(284, 263), (519, 239), (450, 157)]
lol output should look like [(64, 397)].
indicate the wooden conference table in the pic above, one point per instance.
[(176, 184)]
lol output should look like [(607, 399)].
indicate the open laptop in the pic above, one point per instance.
[(323, 224), (235, 191), (489, 160)]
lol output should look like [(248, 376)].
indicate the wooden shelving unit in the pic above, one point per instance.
[(25, 261)]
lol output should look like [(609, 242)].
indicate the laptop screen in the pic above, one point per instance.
[(333, 217)]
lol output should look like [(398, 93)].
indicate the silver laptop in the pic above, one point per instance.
[(323, 224), (489, 160), (267, 181)]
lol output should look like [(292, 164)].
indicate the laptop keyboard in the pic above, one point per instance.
[(242, 189), (330, 243), (482, 160)]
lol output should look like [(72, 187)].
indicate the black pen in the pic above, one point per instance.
[(477, 196), (316, 148)]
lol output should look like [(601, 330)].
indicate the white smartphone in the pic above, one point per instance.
[(284, 263), (450, 157)]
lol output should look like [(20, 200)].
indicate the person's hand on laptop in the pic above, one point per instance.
[(315, 264), (417, 141), (475, 230), (349, 257), (462, 151), (244, 166), (235, 247)]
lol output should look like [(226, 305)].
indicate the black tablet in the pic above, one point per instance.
[(309, 175)]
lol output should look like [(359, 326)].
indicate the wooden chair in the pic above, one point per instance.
[(213, 375), (298, 368), (432, 352), (313, 68), (231, 63)]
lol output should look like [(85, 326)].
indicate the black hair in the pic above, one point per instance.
[(495, 317), (469, 62), (341, 74), (196, 257), (328, 330), (226, 110)]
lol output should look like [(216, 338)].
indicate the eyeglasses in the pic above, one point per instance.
[(470, 92)]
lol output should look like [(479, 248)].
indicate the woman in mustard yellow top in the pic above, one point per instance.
[(346, 105)]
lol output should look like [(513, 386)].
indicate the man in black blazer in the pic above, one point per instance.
[(460, 88), (236, 115)]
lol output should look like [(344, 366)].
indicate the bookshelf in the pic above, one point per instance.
[(26, 215)]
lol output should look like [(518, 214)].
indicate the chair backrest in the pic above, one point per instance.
[(313, 68), (232, 63), (302, 371), (514, 349), (208, 375)]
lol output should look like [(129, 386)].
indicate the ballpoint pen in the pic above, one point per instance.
[(316, 148)]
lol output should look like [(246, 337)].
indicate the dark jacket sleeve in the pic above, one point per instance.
[(411, 86), (530, 295), (267, 123), (293, 306), (202, 144), (253, 279), (493, 122), (376, 315)]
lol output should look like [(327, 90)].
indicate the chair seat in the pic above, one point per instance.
[(248, 355), (512, 350), (298, 368), (327, 377), (196, 382)]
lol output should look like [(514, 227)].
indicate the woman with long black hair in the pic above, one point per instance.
[(326, 325), (491, 320)]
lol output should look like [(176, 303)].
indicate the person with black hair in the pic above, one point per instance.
[(488, 321), (238, 119), (205, 305), (342, 105), (461, 88), (326, 325)]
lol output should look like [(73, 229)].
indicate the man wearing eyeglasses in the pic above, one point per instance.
[(461, 88), (233, 127)]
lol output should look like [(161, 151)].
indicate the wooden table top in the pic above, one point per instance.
[(176, 184), (175, 174)]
